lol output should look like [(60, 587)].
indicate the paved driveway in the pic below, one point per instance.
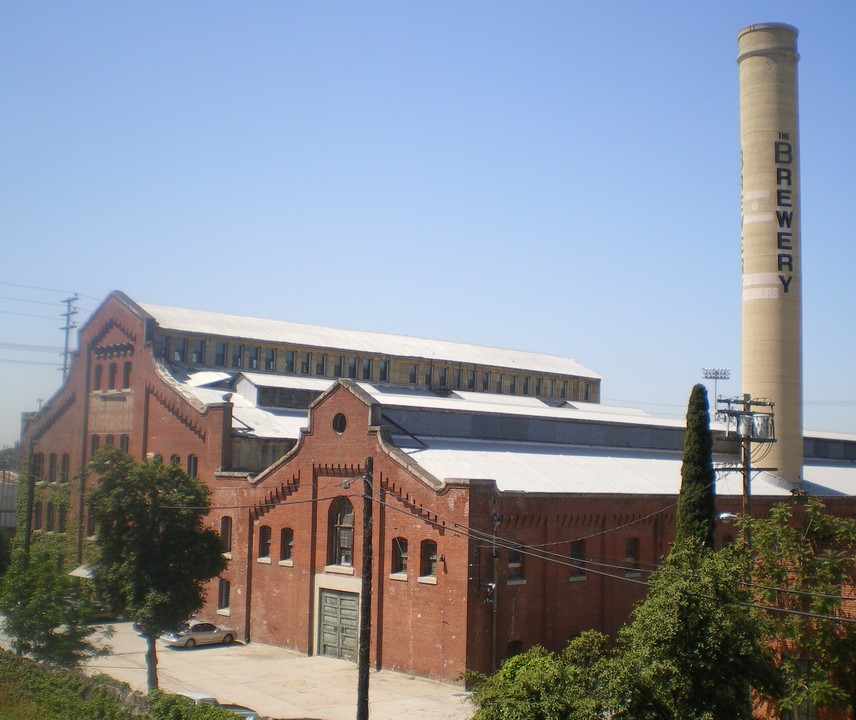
[(279, 683)]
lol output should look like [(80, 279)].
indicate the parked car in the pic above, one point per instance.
[(198, 632), (199, 698)]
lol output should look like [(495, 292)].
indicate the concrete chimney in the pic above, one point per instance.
[(772, 260)]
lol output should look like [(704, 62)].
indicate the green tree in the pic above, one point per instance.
[(540, 685), (697, 499), (694, 649), (44, 610), (812, 554), (155, 554)]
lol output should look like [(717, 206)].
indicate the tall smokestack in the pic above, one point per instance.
[(772, 264)]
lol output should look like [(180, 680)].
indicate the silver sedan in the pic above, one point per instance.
[(197, 632)]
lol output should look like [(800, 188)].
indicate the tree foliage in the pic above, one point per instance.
[(812, 554), (697, 500), (541, 685), (155, 553), (46, 612), (694, 648)]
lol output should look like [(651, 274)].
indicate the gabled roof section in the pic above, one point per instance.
[(201, 322)]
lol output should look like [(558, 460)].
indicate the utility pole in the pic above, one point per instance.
[(68, 327), (753, 422), (365, 598)]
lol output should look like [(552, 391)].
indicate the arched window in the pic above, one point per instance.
[(399, 556), (37, 515), (175, 459), (49, 517), (428, 559), (226, 533), (111, 377), (52, 467), (64, 468), (96, 379), (224, 590), (286, 544), (126, 376), (340, 546), (124, 442), (192, 465), (264, 542)]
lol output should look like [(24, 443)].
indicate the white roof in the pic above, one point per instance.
[(542, 468), (476, 402), (278, 331)]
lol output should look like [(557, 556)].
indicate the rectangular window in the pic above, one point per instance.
[(339, 366), (631, 557), (512, 384), (90, 521), (458, 379), (305, 363), (165, 348), (321, 365), (586, 392), (429, 375), (538, 384), (220, 354), (289, 361), (578, 557), (197, 354), (352, 367), (179, 349), (563, 389), (367, 368), (551, 387), (526, 385), (515, 564), (414, 373), (498, 384), (270, 359), (444, 376), (485, 381), (237, 356), (124, 442), (224, 590), (94, 443), (61, 518), (253, 355), (471, 379), (383, 371)]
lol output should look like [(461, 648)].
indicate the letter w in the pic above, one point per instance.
[(785, 217)]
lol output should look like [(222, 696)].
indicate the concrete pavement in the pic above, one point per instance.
[(280, 683)]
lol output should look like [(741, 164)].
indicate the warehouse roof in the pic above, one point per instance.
[(202, 322)]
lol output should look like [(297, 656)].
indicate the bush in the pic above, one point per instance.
[(47, 693)]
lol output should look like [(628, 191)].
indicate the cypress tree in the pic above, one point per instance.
[(697, 499)]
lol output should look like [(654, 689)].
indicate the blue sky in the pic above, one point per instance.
[(561, 177)]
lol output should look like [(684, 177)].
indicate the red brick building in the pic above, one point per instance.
[(509, 506)]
